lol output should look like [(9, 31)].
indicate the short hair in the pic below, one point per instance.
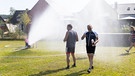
[(89, 25), (69, 25), (132, 27)]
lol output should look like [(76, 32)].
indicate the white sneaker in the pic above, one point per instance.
[(89, 70)]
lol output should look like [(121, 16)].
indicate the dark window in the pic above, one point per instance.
[(128, 9)]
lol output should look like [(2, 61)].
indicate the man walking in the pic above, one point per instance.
[(91, 41), (70, 38)]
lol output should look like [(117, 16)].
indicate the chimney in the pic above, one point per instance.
[(115, 5)]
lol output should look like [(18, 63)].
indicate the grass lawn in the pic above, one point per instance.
[(108, 61)]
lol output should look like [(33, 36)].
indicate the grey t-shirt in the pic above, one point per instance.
[(71, 40)]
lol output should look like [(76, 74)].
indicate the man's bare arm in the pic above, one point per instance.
[(66, 37), (97, 40), (77, 37), (83, 36)]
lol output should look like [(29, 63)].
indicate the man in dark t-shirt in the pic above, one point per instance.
[(91, 41), (70, 38)]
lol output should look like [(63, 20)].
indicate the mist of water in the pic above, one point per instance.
[(51, 26), (48, 26)]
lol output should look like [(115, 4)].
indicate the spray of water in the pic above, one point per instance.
[(51, 26), (48, 26)]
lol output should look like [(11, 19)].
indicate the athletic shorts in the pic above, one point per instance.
[(133, 40), (70, 50), (90, 49)]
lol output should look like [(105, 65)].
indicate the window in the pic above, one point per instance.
[(128, 9)]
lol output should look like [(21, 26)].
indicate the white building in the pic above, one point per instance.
[(126, 13)]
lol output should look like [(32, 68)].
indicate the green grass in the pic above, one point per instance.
[(108, 61)]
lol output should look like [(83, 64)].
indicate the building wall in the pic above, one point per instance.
[(36, 12), (126, 8), (38, 9), (126, 13)]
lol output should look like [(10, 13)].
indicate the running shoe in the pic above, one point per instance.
[(74, 65), (127, 51), (67, 67), (89, 70), (92, 67)]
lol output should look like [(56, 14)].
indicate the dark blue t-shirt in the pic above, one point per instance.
[(89, 36)]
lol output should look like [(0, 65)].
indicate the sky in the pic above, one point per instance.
[(23, 4)]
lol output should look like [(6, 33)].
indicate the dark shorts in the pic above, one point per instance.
[(70, 50), (90, 49), (133, 40)]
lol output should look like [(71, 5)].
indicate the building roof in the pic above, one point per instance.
[(14, 19), (126, 8), (1, 19), (3, 26), (5, 16), (128, 18), (38, 9)]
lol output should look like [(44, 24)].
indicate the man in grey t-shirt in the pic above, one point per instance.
[(70, 38)]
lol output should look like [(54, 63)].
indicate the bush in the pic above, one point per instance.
[(13, 35), (1, 33), (16, 35)]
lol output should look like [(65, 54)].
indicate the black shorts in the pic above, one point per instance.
[(133, 40), (90, 49), (70, 50)]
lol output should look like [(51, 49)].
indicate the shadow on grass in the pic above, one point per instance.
[(124, 54), (14, 56), (18, 53), (21, 48), (78, 73), (48, 72), (21, 52), (54, 71), (81, 58)]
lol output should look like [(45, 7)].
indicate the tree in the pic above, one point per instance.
[(1, 31), (1, 23), (12, 10), (25, 19)]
